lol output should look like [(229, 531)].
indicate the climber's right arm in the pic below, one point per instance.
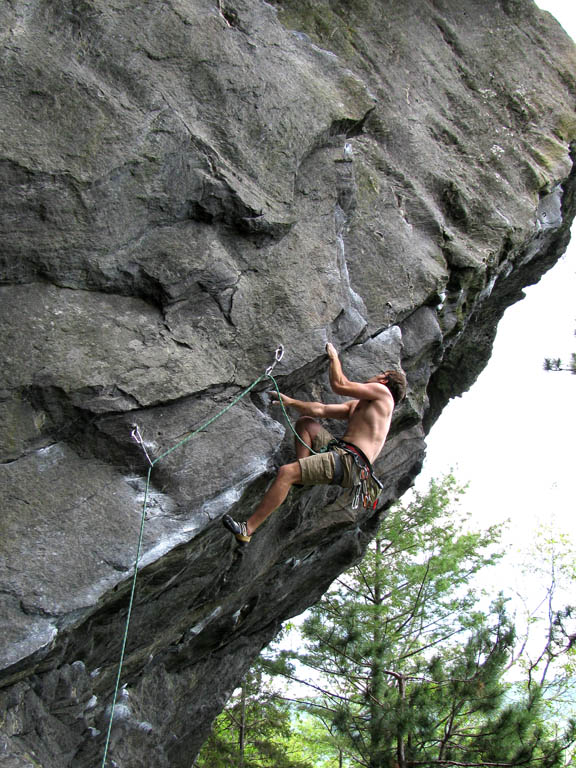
[(316, 410)]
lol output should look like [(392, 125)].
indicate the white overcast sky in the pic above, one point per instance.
[(512, 436)]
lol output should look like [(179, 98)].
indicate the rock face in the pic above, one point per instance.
[(185, 185)]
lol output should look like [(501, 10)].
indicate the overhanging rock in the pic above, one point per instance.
[(184, 186)]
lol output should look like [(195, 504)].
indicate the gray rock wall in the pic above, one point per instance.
[(185, 185)]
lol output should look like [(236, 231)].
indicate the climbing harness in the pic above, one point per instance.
[(364, 476), (136, 435)]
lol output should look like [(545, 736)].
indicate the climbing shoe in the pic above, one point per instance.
[(238, 529)]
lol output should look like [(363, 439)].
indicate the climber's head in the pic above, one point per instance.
[(396, 383)]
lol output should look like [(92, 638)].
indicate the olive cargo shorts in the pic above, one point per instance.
[(318, 469)]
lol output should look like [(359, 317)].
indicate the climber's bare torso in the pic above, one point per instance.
[(369, 421)]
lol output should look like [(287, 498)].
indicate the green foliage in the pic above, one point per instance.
[(318, 741), (410, 666), (412, 671), (552, 665), (255, 729)]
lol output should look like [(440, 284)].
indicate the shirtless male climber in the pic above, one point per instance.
[(346, 462)]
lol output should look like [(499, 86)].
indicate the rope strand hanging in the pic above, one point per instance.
[(136, 435)]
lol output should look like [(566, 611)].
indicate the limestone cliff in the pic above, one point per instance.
[(185, 185)]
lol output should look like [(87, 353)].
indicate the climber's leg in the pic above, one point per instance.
[(310, 430), (287, 475)]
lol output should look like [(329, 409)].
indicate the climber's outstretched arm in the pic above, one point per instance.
[(315, 409)]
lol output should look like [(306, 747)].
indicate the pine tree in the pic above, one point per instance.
[(411, 670), (551, 665), (254, 730), (557, 364)]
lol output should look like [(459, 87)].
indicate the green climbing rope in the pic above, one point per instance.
[(152, 463), (296, 435)]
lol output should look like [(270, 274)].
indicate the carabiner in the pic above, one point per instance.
[(277, 357), (137, 437)]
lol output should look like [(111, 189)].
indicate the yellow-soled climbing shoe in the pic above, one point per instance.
[(238, 529)]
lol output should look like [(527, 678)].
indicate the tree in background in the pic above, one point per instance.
[(410, 670), (255, 729), (551, 664), (557, 364)]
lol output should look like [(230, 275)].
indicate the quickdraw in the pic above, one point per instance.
[(139, 440), (279, 354)]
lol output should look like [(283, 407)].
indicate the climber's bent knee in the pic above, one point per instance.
[(290, 473), (305, 423)]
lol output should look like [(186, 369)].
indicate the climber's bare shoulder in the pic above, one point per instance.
[(369, 420)]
